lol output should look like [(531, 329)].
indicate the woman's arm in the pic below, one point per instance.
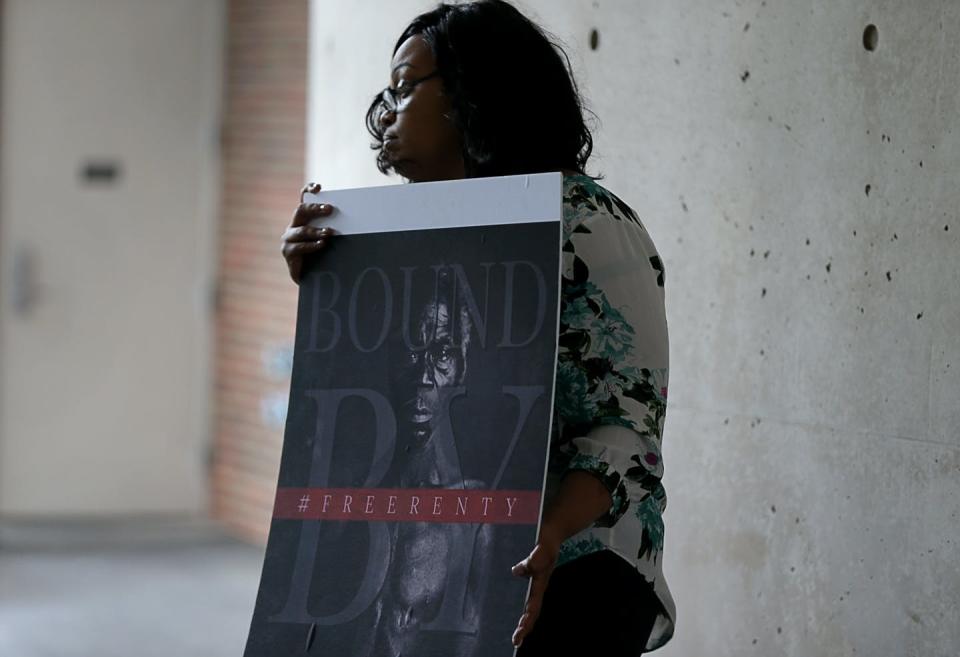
[(581, 500)]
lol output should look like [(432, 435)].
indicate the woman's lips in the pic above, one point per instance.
[(389, 148)]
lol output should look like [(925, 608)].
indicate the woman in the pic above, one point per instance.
[(476, 90)]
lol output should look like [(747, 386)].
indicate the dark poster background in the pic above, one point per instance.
[(415, 444)]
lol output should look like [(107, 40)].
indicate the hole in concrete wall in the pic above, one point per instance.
[(870, 37), (594, 39)]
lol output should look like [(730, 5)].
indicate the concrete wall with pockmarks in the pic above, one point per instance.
[(798, 174)]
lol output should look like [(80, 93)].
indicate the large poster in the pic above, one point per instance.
[(418, 424)]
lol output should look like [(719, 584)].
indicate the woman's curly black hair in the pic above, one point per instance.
[(515, 102)]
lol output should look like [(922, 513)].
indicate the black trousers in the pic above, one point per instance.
[(595, 605)]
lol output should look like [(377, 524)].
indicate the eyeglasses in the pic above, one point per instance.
[(394, 99)]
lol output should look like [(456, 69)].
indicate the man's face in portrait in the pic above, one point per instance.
[(427, 371)]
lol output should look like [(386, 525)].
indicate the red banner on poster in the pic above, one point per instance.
[(409, 505)]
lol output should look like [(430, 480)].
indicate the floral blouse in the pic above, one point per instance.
[(611, 385)]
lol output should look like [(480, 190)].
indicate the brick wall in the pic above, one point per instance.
[(264, 126)]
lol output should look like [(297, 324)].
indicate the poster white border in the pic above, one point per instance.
[(445, 204)]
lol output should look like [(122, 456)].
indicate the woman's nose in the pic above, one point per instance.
[(387, 118)]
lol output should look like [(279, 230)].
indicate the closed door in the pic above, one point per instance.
[(108, 160)]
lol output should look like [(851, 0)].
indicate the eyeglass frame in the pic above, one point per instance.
[(389, 96)]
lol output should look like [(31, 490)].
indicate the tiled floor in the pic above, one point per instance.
[(137, 588)]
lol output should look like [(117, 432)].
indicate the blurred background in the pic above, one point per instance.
[(795, 163)]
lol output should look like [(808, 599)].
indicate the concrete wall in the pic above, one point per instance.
[(797, 186)]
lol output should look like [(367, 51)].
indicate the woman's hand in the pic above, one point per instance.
[(581, 500), (538, 567), (300, 239)]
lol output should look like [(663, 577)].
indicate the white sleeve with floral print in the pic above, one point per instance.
[(612, 375)]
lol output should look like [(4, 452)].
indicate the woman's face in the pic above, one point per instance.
[(419, 140)]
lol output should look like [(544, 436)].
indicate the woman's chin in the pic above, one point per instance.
[(405, 168)]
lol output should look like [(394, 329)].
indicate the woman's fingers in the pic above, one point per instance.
[(538, 567), (300, 249), (297, 242), (306, 212), (300, 238), (306, 233), (309, 188), (531, 612), (294, 252)]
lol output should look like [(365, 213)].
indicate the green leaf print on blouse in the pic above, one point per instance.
[(609, 386), (641, 473), (571, 394), (589, 462), (570, 550), (649, 512), (577, 313), (610, 335), (645, 389), (594, 340), (586, 194), (580, 198), (604, 331)]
